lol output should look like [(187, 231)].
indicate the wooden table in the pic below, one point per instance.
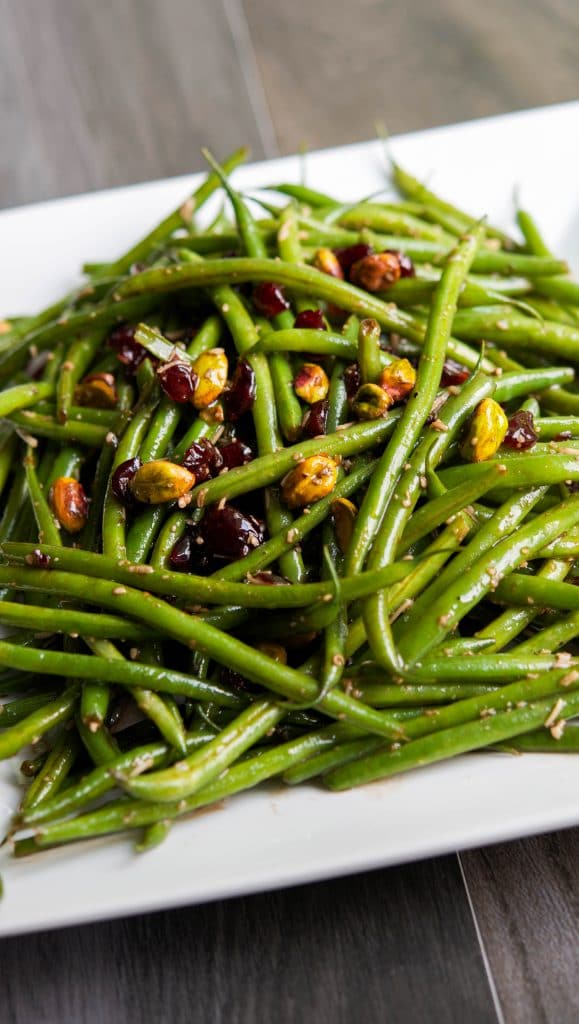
[(101, 94)]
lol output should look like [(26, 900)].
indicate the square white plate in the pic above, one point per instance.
[(276, 836)]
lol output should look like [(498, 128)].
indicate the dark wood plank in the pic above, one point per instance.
[(394, 945), (331, 70), (526, 904), (100, 94)]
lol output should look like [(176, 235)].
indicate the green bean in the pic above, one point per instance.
[(177, 219), (522, 470), (101, 780), (341, 754), (22, 396), (378, 694), (522, 382), (153, 835), (440, 509), (203, 766), (7, 452), (390, 219), (77, 361), (521, 589), (124, 814), (512, 330), (18, 710), (14, 356), (549, 427), (47, 529), (114, 513), (193, 631), (195, 589), (369, 351), (514, 620), (445, 213), (38, 723), (90, 434), (449, 743), (416, 411), (542, 743), (54, 771), (552, 637), (128, 673), (445, 612)]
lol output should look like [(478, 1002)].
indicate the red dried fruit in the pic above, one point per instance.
[(269, 299), (235, 453), (521, 434), (351, 254), (310, 319), (203, 459), (189, 553), (121, 479), (230, 533), (129, 352), (352, 380), (38, 559), (405, 263), (178, 380), (315, 419), (240, 397), (453, 373)]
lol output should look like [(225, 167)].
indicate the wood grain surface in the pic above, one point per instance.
[(94, 95), (395, 945)]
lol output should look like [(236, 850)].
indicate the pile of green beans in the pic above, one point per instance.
[(406, 591)]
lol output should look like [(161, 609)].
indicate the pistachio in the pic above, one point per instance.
[(97, 391), (311, 383), (69, 503), (313, 478), (344, 512), (371, 402), (375, 272), (211, 371), (327, 261), (160, 481), (486, 433), (398, 379)]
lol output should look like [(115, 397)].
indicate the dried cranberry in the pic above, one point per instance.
[(129, 352), (189, 554), (235, 453), (352, 380), (178, 380), (230, 533), (405, 263), (565, 435), (203, 459), (351, 254), (122, 476), (310, 319), (38, 559), (269, 299), (315, 419), (241, 395), (521, 434), (453, 373)]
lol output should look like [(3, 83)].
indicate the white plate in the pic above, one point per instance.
[(276, 837)]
